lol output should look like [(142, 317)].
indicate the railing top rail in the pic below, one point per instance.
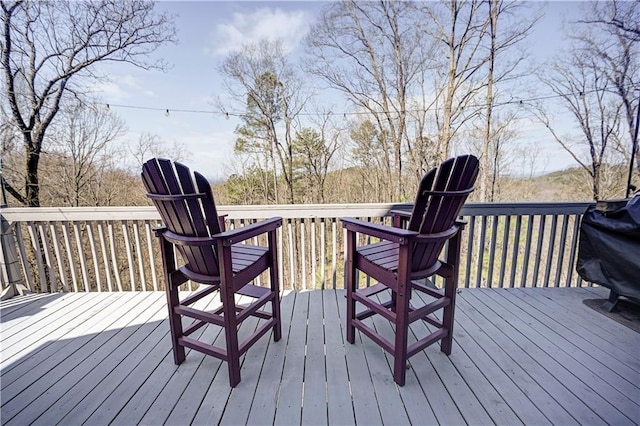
[(295, 211)]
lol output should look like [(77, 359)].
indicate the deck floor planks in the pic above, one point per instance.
[(179, 378), (600, 379), (418, 407), (363, 392), (511, 359), (152, 332), (490, 385), (63, 380), (17, 310), (147, 392), (570, 307), (51, 321), (482, 399), (543, 368), (492, 363), (569, 302), (461, 394), (621, 361), (239, 403), (390, 404), (263, 408), (314, 401), (553, 357), (56, 360), (289, 404), (207, 395), (52, 351), (504, 358), (339, 401), (97, 368)]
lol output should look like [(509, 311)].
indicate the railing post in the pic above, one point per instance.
[(10, 276)]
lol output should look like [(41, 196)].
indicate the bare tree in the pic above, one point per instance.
[(81, 145), (50, 49), (503, 39), (149, 145), (611, 33), (595, 81), (584, 92), (374, 53), (461, 27), (261, 82)]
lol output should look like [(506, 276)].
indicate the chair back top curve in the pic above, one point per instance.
[(441, 195), (187, 208)]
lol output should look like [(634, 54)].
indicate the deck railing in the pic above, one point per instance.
[(114, 248)]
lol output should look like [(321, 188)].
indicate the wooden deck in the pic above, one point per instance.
[(521, 356)]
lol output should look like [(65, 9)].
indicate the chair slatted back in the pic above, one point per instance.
[(441, 195), (187, 208)]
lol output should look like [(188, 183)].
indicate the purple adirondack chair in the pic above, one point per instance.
[(404, 256), (220, 261)]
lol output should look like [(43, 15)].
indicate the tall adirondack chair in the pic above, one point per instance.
[(406, 254), (220, 261)]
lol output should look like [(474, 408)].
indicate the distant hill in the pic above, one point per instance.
[(350, 185)]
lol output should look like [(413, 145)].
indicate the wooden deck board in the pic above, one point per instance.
[(528, 356), (597, 377), (546, 365)]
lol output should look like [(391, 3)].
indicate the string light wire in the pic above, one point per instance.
[(227, 114)]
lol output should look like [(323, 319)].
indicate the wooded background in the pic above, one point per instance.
[(422, 80)]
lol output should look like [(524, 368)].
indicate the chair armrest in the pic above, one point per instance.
[(241, 234), (228, 237), (396, 235)]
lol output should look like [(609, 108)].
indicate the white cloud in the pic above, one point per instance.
[(265, 23)]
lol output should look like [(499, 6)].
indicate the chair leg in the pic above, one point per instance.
[(450, 290), (448, 316), (275, 288), (351, 285), (231, 335), (175, 323), (402, 329), (171, 290)]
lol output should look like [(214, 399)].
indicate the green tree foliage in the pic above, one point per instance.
[(312, 158)]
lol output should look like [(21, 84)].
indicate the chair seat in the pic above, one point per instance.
[(247, 262), (383, 257), (245, 255)]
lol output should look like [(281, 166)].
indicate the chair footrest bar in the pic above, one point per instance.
[(205, 348), (433, 292), (427, 309), (195, 325), (416, 347), (209, 317), (246, 344), (199, 295), (431, 319), (368, 331), (253, 308), (375, 307)]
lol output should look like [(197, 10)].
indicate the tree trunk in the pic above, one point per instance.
[(32, 184)]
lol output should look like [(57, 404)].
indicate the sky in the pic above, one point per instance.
[(210, 30)]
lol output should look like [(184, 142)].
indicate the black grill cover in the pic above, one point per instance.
[(609, 251)]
